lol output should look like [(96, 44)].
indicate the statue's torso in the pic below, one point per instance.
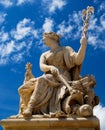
[(56, 58)]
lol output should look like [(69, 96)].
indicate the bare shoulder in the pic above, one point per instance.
[(45, 53), (67, 48)]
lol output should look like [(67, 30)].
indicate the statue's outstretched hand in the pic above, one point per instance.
[(83, 40)]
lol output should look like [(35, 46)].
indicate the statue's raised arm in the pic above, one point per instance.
[(86, 14), (79, 57)]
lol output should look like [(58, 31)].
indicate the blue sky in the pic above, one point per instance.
[(22, 23)]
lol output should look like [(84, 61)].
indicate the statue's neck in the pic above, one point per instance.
[(54, 47)]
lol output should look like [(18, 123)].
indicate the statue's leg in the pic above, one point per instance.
[(36, 96), (55, 108)]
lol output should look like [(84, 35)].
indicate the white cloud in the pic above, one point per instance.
[(18, 57), (97, 31), (95, 1), (102, 20), (6, 49), (101, 7), (92, 40), (6, 3), (4, 60), (24, 28), (9, 48), (99, 111), (56, 4), (20, 46), (72, 27), (48, 25), (9, 3), (52, 5), (12, 51), (64, 29), (77, 17), (92, 23), (17, 43), (2, 17), (20, 2), (4, 36), (78, 25)]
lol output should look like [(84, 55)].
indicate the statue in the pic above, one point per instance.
[(61, 91)]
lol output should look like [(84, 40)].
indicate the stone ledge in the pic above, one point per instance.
[(91, 123)]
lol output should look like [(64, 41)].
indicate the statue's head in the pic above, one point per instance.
[(52, 35)]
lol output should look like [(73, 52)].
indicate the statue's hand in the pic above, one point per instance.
[(83, 40), (73, 91), (54, 70)]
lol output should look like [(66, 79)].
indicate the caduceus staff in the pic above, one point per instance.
[(86, 14)]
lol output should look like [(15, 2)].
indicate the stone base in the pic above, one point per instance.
[(91, 123)]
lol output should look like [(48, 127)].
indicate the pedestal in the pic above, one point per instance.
[(91, 123)]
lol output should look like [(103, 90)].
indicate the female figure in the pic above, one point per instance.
[(50, 90)]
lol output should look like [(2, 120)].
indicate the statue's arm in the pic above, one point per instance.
[(43, 65), (79, 56)]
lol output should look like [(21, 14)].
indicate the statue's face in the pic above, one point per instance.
[(48, 41), (50, 38)]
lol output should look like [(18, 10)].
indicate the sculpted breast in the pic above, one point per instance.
[(55, 59)]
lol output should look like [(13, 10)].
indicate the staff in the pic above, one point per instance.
[(86, 14)]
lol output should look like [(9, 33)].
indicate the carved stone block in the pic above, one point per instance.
[(35, 123)]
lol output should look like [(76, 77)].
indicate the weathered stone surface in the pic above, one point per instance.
[(91, 123)]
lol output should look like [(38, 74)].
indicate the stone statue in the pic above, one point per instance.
[(26, 90), (61, 91)]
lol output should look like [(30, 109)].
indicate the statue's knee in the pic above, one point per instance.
[(41, 80)]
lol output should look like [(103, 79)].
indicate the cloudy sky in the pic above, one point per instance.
[(22, 23)]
